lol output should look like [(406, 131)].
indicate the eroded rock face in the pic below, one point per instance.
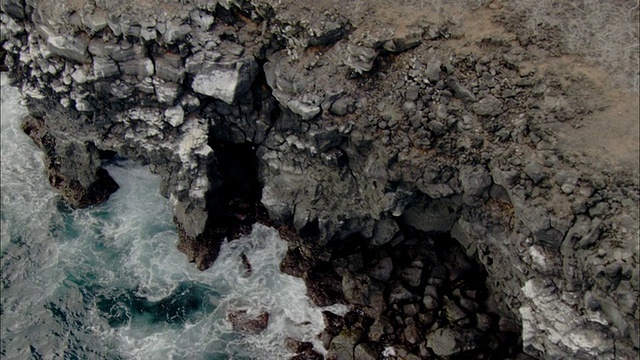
[(83, 185), (225, 81), (357, 127), (445, 342)]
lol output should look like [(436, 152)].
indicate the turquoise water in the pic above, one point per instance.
[(108, 282)]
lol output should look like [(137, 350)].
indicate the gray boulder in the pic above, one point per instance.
[(450, 342), (167, 93), (225, 81), (412, 276), (138, 67), (360, 58), (430, 216), (72, 48), (169, 67), (95, 21), (400, 294), (384, 231), (460, 91), (538, 221), (342, 346), (342, 106), (408, 39), (382, 325), (365, 351), (242, 321), (382, 269), (104, 68), (15, 8), (535, 171), (175, 32), (488, 106), (475, 181), (433, 70)]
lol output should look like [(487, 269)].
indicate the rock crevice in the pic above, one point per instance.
[(337, 126)]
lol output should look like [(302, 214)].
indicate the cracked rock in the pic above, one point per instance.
[(225, 81)]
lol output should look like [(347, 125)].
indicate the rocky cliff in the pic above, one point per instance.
[(362, 129)]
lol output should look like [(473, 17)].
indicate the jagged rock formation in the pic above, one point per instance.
[(361, 123)]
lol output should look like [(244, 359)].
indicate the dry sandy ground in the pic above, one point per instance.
[(607, 137), (610, 134)]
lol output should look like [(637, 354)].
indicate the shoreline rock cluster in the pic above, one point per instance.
[(78, 195), (416, 297), (335, 126)]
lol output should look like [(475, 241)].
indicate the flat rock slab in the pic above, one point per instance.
[(449, 342), (225, 81)]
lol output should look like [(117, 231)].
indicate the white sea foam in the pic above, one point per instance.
[(24, 185), (151, 264), (27, 215), (124, 251), (266, 289), (136, 229)]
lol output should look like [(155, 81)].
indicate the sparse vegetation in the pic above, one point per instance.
[(604, 32)]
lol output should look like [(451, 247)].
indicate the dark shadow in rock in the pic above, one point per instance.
[(233, 207), (429, 283)]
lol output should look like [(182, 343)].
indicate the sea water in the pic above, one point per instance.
[(109, 283)]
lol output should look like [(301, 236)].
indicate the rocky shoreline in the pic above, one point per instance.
[(419, 295), (375, 138)]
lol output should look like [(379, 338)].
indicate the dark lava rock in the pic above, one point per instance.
[(333, 323), (450, 342), (307, 355), (400, 294), (98, 184), (382, 270), (412, 276), (438, 275), (246, 264), (241, 321), (343, 345), (365, 351), (359, 289), (302, 350), (488, 106), (324, 286), (295, 263)]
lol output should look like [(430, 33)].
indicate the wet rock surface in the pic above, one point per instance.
[(361, 138), (434, 303), (242, 321), (81, 186)]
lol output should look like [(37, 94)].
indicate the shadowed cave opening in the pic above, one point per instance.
[(234, 203), (420, 293), (416, 290), (239, 190)]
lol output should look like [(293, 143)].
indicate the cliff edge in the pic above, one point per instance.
[(353, 126)]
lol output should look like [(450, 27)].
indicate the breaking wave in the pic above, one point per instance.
[(109, 283)]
